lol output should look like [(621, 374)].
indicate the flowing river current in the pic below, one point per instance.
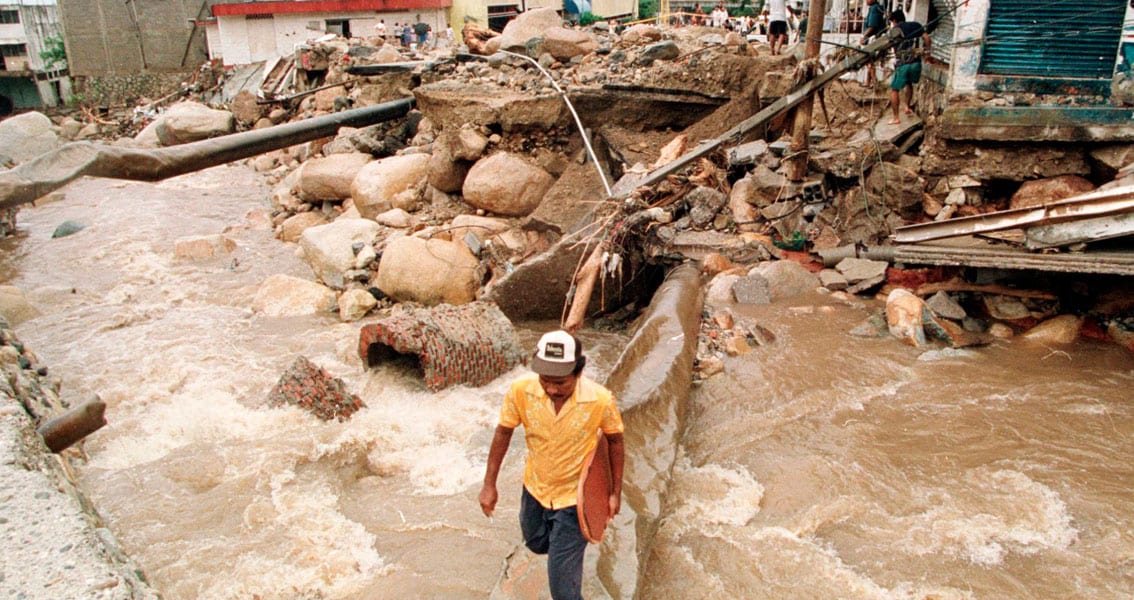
[(818, 466)]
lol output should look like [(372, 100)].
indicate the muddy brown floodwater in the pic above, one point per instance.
[(820, 466)]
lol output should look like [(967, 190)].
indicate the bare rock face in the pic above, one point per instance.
[(378, 183), (564, 44), (329, 249), (430, 272), (1053, 189), (330, 177), (24, 137), (186, 122), (506, 184)]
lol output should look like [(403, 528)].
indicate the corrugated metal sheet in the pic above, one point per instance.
[(1046, 38), (942, 26)]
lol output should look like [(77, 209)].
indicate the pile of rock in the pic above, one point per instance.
[(306, 385)]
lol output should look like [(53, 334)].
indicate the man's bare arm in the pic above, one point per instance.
[(488, 495), (617, 459)]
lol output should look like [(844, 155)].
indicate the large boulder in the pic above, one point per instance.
[(640, 33), (430, 272), (446, 172), (1038, 192), (330, 177), (186, 122), (786, 278), (506, 184), (329, 249), (482, 227), (375, 188), (294, 226), (24, 137), (1063, 329), (565, 44), (899, 188), (524, 27), (287, 296), (245, 108)]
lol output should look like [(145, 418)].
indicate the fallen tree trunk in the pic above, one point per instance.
[(54, 170)]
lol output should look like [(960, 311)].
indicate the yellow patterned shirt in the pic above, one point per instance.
[(558, 443)]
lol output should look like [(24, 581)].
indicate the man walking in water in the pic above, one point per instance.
[(907, 61), (562, 412)]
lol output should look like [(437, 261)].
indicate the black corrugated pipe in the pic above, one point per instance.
[(53, 170)]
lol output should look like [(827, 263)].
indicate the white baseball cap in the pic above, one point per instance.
[(556, 354)]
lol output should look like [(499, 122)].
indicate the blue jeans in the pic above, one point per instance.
[(556, 534)]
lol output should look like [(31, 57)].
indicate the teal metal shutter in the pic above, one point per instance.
[(941, 29), (1072, 39)]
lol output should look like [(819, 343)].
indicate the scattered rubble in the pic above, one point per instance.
[(490, 175), (311, 388)]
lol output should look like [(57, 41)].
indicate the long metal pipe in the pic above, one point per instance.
[(53, 170)]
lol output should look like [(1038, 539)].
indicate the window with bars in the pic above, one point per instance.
[(13, 49), (9, 16)]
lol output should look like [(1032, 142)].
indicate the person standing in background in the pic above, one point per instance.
[(777, 25), (907, 61), (872, 26)]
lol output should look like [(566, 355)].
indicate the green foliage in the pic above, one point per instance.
[(647, 8), (589, 18), (54, 53)]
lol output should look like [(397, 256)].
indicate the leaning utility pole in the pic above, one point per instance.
[(797, 159)]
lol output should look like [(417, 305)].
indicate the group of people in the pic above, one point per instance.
[(908, 51), (406, 34)]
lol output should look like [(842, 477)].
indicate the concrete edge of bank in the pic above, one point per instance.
[(652, 381), (55, 543)]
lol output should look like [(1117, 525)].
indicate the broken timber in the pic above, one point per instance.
[(773, 110), (56, 169)]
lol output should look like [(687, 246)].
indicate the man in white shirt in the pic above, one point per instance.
[(777, 24)]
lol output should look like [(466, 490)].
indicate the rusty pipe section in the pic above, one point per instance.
[(72, 426), (56, 169), (651, 380)]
